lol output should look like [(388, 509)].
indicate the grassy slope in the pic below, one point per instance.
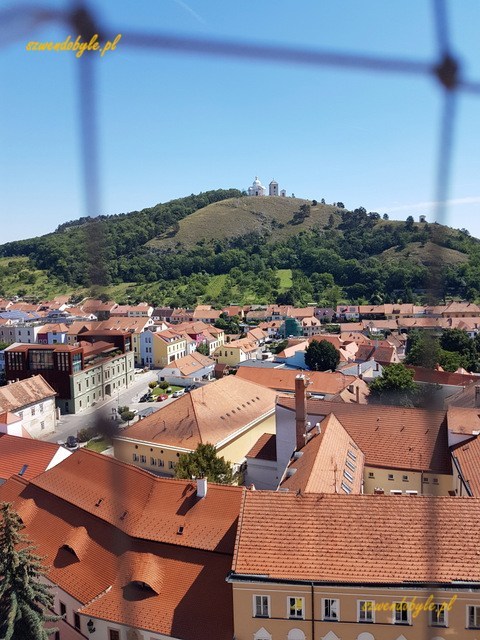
[(239, 216), (428, 255)]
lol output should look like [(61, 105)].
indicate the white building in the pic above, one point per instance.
[(257, 189), (28, 406)]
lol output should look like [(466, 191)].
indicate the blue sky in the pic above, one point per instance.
[(174, 124)]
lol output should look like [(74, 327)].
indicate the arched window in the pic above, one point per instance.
[(295, 634), (365, 636)]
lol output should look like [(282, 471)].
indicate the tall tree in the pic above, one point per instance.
[(205, 463), (321, 356), (394, 386), (24, 599)]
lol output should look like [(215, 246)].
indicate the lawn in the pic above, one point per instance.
[(98, 445)]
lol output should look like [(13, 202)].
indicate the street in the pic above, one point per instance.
[(70, 424)]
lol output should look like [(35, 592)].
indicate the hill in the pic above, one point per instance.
[(219, 247), (272, 217)]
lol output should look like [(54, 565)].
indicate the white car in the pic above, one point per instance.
[(177, 394)]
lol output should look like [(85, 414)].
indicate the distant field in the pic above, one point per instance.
[(285, 276)]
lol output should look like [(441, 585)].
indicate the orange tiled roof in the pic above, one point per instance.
[(358, 539), (265, 448), (191, 363), (284, 379), (143, 505), (321, 466), (19, 394), (467, 455), (15, 452), (209, 414), (390, 437), (101, 570), (432, 376), (463, 420)]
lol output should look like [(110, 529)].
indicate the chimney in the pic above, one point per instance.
[(477, 396), (357, 394), (301, 383), (201, 487)]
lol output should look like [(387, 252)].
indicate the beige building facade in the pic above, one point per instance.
[(295, 611)]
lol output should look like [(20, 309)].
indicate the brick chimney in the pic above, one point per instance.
[(301, 383)]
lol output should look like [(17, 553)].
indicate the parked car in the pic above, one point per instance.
[(145, 397), (177, 394), (162, 397), (72, 442)]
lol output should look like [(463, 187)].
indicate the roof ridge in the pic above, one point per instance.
[(239, 528)]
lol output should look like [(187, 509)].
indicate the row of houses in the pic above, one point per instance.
[(132, 555)]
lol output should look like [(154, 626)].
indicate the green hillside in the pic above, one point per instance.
[(220, 246)]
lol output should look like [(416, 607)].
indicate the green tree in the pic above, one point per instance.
[(321, 356), (3, 345), (204, 463), (126, 416), (423, 349), (203, 349), (394, 386), (24, 599)]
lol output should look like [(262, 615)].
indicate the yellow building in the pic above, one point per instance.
[(232, 353), (228, 413), (167, 347), (400, 451), (339, 567)]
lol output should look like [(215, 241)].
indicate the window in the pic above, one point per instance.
[(405, 478), (390, 476), (350, 465), (425, 480), (435, 481), (473, 617), (438, 615), (295, 607), (347, 475), (371, 474), (143, 458), (351, 455), (153, 462), (365, 610), (113, 634), (261, 606), (401, 613), (171, 464), (63, 610), (346, 488), (330, 609), (135, 457), (161, 463), (42, 425), (76, 620)]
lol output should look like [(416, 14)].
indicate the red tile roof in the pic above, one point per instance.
[(143, 505), (103, 568), (283, 379), (265, 448), (390, 437), (467, 455), (432, 376), (322, 462), (15, 452), (358, 539), (208, 414), (16, 395)]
